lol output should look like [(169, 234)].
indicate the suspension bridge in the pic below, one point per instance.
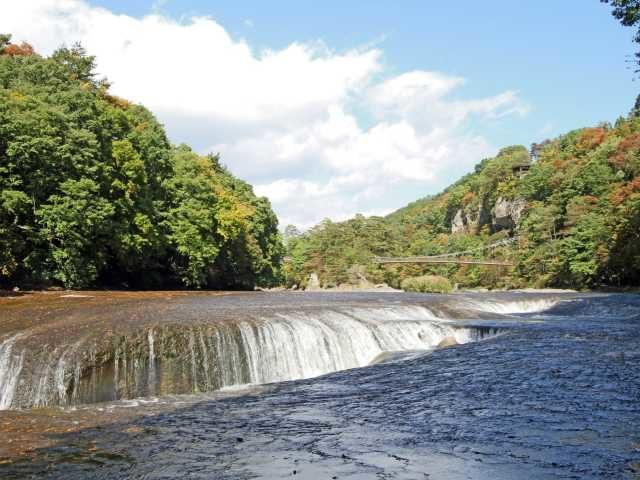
[(456, 257)]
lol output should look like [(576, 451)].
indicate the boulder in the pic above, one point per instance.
[(314, 282), (447, 342)]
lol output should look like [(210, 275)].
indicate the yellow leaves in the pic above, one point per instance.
[(141, 127), (128, 161), (233, 215), (121, 103), (7, 267), (16, 96), (507, 188), (442, 239)]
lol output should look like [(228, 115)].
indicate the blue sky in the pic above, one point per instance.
[(566, 58), (457, 80)]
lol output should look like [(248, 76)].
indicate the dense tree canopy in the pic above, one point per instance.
[(579, 225), (92, 193)]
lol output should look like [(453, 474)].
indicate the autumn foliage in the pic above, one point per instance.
[(590, 138), (15, 50)]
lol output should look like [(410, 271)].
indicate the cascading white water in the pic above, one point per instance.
[(512, 307), (190, 358), (301, 345), (10, 368)]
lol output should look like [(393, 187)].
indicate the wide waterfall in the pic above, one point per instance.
[(204, 356)]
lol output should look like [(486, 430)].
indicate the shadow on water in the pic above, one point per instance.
[(556, 398)]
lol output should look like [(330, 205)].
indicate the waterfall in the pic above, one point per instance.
[(184, 358), (512, 307), (10, 368)]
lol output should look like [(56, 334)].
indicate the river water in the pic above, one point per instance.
[(479, 386)]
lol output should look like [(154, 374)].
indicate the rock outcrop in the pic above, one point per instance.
[(458, 224), (313, 283), (506, 214), (470, 222)]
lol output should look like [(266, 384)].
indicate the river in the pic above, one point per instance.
[(320, 385)]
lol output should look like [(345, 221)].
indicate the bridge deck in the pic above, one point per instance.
[(441, 260)]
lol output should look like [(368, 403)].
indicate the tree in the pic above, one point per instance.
[(92, 193), (5, 39), (628, 12)]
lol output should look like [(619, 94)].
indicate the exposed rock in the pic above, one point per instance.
[(447, 342), (357, 277), (470, 222), (348, 287), (477, 219), (506, 214), (457, 224), (517, 209), (314, 282)]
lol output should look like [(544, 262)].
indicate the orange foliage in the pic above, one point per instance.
[(590, 138), (624, 191), (118, 101), (468, 198), (15, 50), (631, 143)]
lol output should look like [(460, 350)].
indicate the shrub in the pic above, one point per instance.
[(426, 284)]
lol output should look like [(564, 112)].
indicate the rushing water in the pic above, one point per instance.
[(211, 356), (551, 391)]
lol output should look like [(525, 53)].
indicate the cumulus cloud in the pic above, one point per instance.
[(283, 119)]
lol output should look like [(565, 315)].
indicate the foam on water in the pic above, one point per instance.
[(173, 359), (513, 307), (10, 368), (302, 345)]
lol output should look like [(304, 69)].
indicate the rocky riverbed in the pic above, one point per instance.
[(380, 385)]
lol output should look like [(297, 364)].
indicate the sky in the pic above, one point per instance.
[(335, 108)]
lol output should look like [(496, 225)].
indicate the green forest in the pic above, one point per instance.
[(93, 194), (573, 203)]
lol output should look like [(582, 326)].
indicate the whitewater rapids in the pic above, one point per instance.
[(207, 353)]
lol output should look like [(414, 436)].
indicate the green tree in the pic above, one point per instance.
[(92, 193)]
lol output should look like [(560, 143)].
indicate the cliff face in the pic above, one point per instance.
[(505, 215), (458, 224)]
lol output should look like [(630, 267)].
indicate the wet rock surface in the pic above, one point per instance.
[(556, 396), (126, 346)]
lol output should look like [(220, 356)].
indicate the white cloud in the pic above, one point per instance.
[(282, 119)]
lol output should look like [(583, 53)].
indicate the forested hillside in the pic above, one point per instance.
[(573, 203), (93, 194)]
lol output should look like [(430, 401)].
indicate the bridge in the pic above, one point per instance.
[(454, 257)]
